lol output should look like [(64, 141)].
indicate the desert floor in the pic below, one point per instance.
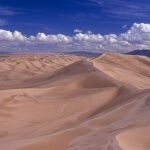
[(66, 102)]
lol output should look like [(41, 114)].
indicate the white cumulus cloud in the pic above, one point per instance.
[(6, 35), (88, 37), (137, 37), (11, 36), (59, 38), (77, 31)]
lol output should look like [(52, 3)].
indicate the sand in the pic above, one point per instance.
[(66, 102), (135, 139)]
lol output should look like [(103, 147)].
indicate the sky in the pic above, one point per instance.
[(74, 25)]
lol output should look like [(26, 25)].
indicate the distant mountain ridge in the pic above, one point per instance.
[(85, 53), (1, 52), (140, 52)]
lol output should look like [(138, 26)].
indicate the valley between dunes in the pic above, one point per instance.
[(66, 102)]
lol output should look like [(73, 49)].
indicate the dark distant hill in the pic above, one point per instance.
[(91, 54), (83, 53), (140, 52), (2, 52)]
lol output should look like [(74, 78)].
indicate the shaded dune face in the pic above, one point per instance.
[(84, 104)]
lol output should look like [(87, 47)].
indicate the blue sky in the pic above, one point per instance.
[(92, 17)]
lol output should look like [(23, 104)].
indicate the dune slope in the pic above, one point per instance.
[(99, 104), (130, 69)]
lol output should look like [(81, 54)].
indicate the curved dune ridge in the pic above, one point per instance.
[(66, 102), (130, 69)]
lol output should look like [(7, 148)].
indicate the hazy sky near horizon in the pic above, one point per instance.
[(72, 25)]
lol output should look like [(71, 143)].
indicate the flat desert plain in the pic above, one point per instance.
[(66, 102)]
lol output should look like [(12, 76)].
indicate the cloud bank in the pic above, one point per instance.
[(137, 37)]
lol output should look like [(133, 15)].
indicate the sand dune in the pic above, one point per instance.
[(135, 139), (134, 70), (63, 102), (16, 68)]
